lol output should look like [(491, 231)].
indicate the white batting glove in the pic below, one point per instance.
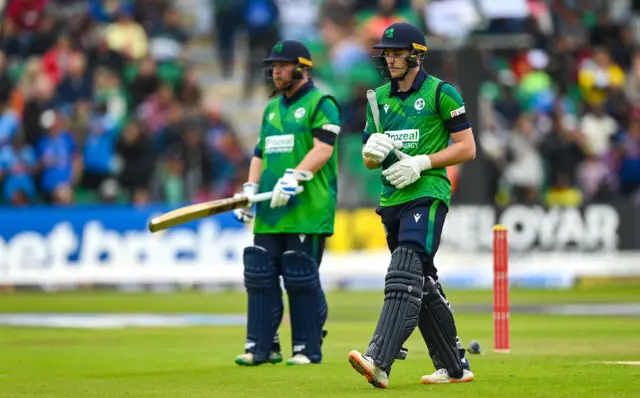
[(288, 187), (407, 170), (245, 215), (379, 146)]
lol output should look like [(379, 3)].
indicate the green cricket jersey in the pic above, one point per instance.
[(423, 122), (286, 136)]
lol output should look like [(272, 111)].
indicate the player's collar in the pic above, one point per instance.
[(305, 88), (415, 86)]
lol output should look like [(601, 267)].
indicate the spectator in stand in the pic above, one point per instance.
[(6, 85), (261, 21), (136, 153), (632, 87), (108, 90), (298, 19), (77, 85), (107, 11), (628, 157), (167, 40), (599, 76), (127, 36), (40, 98), (101, 56), (563, 151), (10, 40), (99, 148), (17, 164), (26, 15), (55, 61), (524, 172), (58, 160), (595, 179), (154, 111), (386, 15), (229, 161), (228, 18), (9, 121), (45, 37), (145, 83), (598, 128)]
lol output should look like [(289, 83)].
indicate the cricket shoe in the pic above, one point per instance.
[(441, 376), (365, 366), (246, 359), (298, 359)]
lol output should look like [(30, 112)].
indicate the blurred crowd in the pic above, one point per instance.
[(563, 125), (98, 104)]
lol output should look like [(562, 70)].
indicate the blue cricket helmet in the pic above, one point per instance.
[(289, 51), (400, 36)]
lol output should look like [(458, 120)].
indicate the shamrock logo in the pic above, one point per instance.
[(389, 33), (278, 48)]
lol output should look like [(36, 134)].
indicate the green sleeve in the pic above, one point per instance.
[(452, 110), (451, 103), (327, 116)]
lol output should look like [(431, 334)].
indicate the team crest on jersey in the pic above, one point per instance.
[(272, 115), (419, 104), (386, 108), (299, 113)]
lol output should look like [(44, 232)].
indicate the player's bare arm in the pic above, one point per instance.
[(317, 157), (462, 150), (255, 170)]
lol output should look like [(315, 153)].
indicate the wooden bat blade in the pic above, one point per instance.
[(197, 211)]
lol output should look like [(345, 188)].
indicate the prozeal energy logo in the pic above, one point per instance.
[(410, 137)]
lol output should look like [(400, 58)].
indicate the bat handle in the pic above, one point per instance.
[(261, 197), (400, 155), (264, 196)]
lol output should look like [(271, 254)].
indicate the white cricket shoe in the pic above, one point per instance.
[(246, 359), (298, 359), (441, 376), (365, 366)]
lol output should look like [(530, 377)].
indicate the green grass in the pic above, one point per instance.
[(551, 355)]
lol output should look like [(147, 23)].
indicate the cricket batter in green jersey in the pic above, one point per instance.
[(294, 158), (419, 115)]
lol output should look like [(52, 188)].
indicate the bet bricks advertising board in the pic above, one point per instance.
[(112, 243)]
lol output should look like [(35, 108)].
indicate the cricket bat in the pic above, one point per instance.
[(197, 211), (375, 112)]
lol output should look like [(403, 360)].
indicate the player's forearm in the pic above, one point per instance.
[(458, 152), (255, 170), (316, 158)]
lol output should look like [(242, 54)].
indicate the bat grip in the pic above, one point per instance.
[(261, 197), (264, 196)]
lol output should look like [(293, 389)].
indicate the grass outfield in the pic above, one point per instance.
[(551, 355)]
